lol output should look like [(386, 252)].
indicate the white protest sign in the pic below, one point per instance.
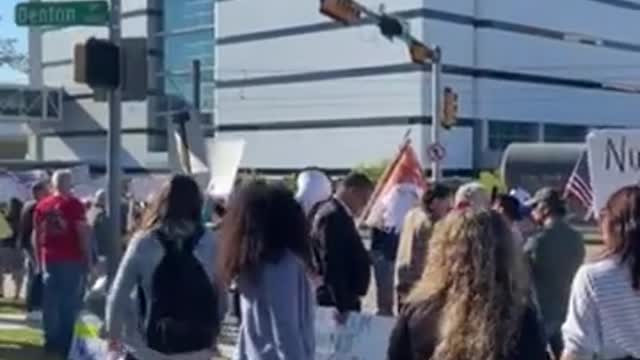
[(614, 162), (11, 187), (363, 337), (224, 161)]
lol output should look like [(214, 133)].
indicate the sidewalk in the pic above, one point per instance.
[(17, 322)]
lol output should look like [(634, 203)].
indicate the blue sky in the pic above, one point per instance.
[(9, 29)]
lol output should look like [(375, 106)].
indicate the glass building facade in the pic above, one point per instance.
[(186, 33)]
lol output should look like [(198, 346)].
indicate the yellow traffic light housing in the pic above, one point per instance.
[(449, 108), (344, 11), (420, 53)]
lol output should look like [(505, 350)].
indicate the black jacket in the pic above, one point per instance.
[(415, 335), (341, 258)]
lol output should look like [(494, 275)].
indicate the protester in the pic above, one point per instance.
[(341, 259), (266, 251), (509, 207), (64, 256), (555, 253), (170, 263), (472, 300), (314, 187), (99, 223), (472, 195), (603, 319), (39, 191), (11, 257), (418, 225)]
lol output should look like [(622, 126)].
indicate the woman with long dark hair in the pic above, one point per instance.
[(603, 319), (170, 263), (472, 301), (266, 251)]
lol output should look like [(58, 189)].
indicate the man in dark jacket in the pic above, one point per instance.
[(555, 253), (341, 258), (39, 191)]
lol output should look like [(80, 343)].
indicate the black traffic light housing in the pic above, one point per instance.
[(390, 27), (97, 64)]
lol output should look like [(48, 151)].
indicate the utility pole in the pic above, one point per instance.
[(114, 167), (436, 122)]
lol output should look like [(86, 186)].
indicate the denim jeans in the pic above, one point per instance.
[(63, 289), (34, 287), (383, 274)]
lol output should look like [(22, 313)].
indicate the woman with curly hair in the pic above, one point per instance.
[(472, 300)]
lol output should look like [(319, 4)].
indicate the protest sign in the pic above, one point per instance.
[(614, 162), (363, 337), (87, 344), (11, 187), (224, 161)]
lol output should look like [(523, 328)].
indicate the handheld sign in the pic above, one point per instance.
[(363, 337), (614, 162)]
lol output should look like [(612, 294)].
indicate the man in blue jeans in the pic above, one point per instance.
[(39, 191), (63, 257)]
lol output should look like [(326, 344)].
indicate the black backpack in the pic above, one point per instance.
[(183, 305)]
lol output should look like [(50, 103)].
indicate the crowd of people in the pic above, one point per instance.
[(469, 274)]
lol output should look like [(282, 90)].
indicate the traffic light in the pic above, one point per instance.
[(97, 64), (390, 27), (449, 108), (345, 11), (420, 53)]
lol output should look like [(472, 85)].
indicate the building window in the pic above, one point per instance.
[(564, 133), (503, 133)]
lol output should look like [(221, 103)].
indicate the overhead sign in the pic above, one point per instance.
[(66, 13), (614, 162), (436, 152)]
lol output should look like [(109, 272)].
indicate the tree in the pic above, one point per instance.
[(9, 55)]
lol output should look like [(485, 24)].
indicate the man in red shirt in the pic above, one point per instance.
[(61, 241)]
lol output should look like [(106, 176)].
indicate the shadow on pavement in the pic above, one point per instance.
[(20, 351)]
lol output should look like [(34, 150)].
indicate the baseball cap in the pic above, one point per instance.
[(548, 196)]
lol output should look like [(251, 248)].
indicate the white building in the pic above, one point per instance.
[(303, 90)]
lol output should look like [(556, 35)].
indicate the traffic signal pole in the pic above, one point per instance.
[(351, 12), (436, 121), (114, 166)]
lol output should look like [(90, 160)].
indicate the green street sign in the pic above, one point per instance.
[(66, 13)]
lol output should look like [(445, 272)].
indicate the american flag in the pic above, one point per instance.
[(579, 183)]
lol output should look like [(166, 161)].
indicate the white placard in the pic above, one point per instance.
[(363, 337), (224, 161), (614, 162)]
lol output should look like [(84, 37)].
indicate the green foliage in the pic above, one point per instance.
[(373, 171)]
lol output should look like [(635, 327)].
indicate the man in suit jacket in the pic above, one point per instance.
[(341, 258)]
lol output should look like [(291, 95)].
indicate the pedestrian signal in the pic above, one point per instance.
[(97, 64), (345, 11), (449, 108)]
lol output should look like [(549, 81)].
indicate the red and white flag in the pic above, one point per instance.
[(398, 190)]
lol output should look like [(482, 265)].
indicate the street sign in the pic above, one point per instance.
[(436, 152), (66, 13)]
